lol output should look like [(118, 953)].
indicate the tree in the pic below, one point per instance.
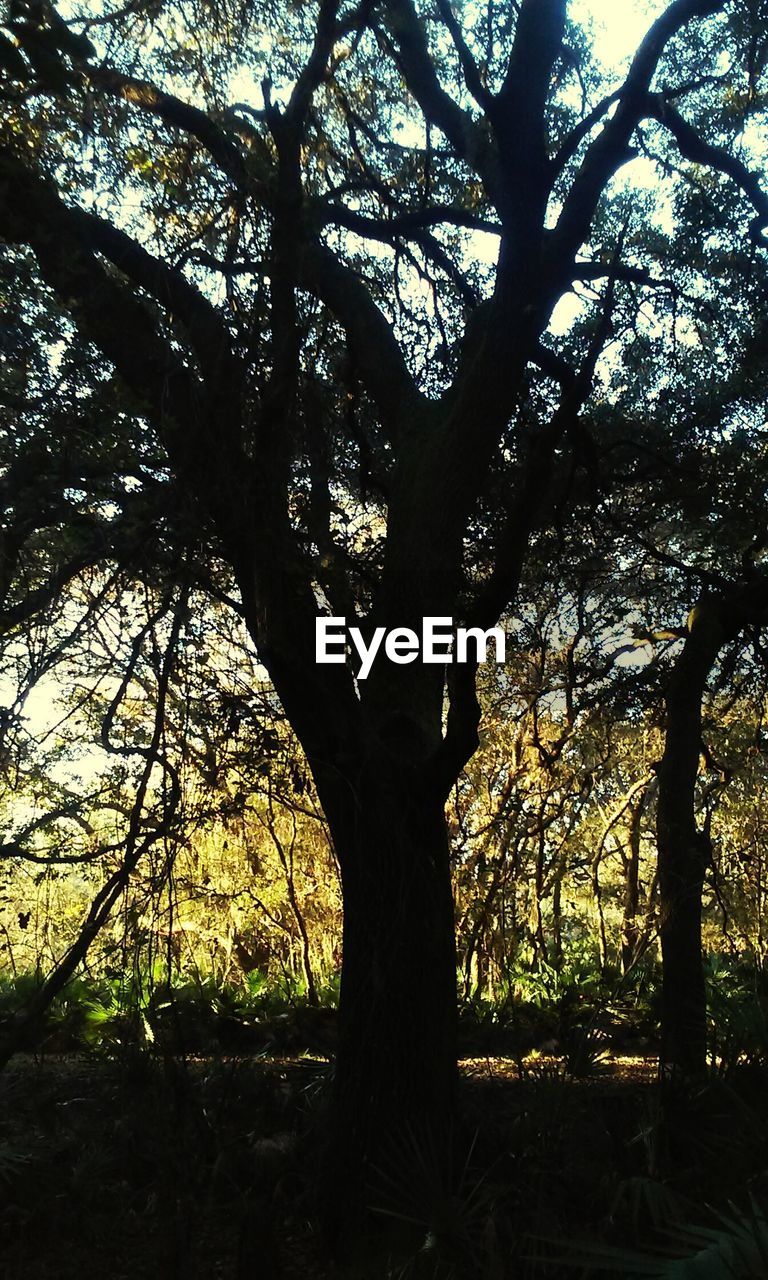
[(685, 850), (362, 416), (707, 541)]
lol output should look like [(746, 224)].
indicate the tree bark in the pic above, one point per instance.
[(682, 849), (395, 1071), (630, 922)]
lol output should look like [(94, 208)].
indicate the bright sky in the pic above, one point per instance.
[(621, 23)]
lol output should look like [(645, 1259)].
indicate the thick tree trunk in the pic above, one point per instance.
[(682, 850), (681, 879), (396, 1062)]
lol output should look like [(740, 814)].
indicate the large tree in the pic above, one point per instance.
[(365, 407)]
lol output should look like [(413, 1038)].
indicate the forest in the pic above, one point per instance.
[(381, 962)]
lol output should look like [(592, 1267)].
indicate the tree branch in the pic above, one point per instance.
[(574, 139), (401, 224), (693, 147), (119, 324), (378, 358), (590, 271), (610, 148), (168, 286), (465, 134), (522, 99), (179, 115), (472, 79)]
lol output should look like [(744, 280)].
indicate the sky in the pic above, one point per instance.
[(621, 23)]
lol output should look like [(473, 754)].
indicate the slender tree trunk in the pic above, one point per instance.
[(682, 850), (481, 925), (286, 859), (540, 941), (597, 890), (759, 896), (630, 924), (557, 921)]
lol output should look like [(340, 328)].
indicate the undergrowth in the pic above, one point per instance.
[(171, 1128)]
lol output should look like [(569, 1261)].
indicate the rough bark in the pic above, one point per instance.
[(396, 1061), (682, 849)]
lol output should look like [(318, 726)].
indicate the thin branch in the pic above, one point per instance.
[(471, 71)]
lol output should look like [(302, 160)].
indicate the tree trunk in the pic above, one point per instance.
[(540, 941), (682, 850), (630, 923), (597, 890), (557, 921), (396, 1062), (681, 880)]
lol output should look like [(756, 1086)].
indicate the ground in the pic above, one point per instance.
[(205, 1168)]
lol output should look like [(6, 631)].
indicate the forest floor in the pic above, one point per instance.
[(203, 1168)]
